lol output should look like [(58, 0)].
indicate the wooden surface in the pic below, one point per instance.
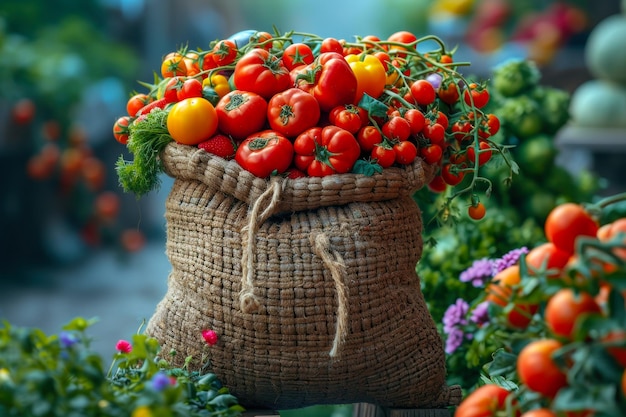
[(369, 410)]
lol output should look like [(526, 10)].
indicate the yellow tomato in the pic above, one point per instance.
[(370, 75), (192, 120)]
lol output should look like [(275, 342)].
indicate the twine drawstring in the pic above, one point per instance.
[(335, 263), (269, 199)]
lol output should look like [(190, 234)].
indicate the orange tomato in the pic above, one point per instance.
[(538, 371), (192, 120), (500, 292)]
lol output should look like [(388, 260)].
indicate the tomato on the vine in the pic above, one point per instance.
[(476, 211), (397, 129), (437, 184), (297, 54), (331, 45), (416, 120), (136, 103), (484, 153), (406, 152), (448, 91), (434, 132), (478, 94), (224, 52), (265, 153), (537, 369), (173, 65), (402, 37), (383, 154), (241, 113), (261, 72), (423, 92), (192, 120), (566, 222), (461, 130), (292, 111), (120, 129), (191, 87), (452, 174), (432, 154), (262, 40), (485, 401), (548, 257), (322, 151), (565, 308), (369, 136)]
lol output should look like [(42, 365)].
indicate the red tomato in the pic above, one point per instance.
[(263, 40), (325, 151), (402, 37), (224, 52), (448, 91), (241, 113), (566, 222), (618, 352), (297, 54), (349, 117), (136, 103), (537, 369), (476, 93), (120, 129), (432, 154), (384, 155), (437, 184), (331, 45), (191, 87), (549, 257), (265, 153), (540, 412), (423, 92), (368, 137), (397, 129), (262, 73), (564, 309), (172, 87), (329, 79), (461, 130), (434, 132), (416, 120), (476, 211), (292, 111), (406, 152), (484, 154), (484, 401), (452, 174)]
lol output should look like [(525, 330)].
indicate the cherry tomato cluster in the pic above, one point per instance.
[(304, 105), (567, 295)]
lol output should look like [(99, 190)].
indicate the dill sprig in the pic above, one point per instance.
[(146, 141)]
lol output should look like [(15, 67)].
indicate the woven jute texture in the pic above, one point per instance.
[(310, 285)]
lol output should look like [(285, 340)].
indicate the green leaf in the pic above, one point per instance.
[(373, 106), (367, 168)]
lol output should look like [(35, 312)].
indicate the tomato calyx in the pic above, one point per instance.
[(259, 143), (236, 101)]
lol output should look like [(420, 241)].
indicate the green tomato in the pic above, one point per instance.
[(535, 155), (513, 77)]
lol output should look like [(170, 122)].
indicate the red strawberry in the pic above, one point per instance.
[(220, 145)]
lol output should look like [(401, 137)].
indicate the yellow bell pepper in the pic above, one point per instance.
[(370, 75)]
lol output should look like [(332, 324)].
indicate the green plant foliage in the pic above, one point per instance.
[(59, 375)]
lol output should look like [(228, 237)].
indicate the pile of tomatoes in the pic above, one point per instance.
[(564, 309), (300, 105)]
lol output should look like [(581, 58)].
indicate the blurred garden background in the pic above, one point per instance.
[(72, 243)]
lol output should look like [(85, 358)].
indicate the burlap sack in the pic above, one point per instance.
[(310, 285)]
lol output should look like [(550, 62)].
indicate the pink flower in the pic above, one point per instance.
[(124, 346), (210, 337)]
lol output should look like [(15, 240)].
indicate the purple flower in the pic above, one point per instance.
[(160, 381), (455, 315), (478, 273), (480, 314), (508, 259), (67, 339), (454, 340)]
